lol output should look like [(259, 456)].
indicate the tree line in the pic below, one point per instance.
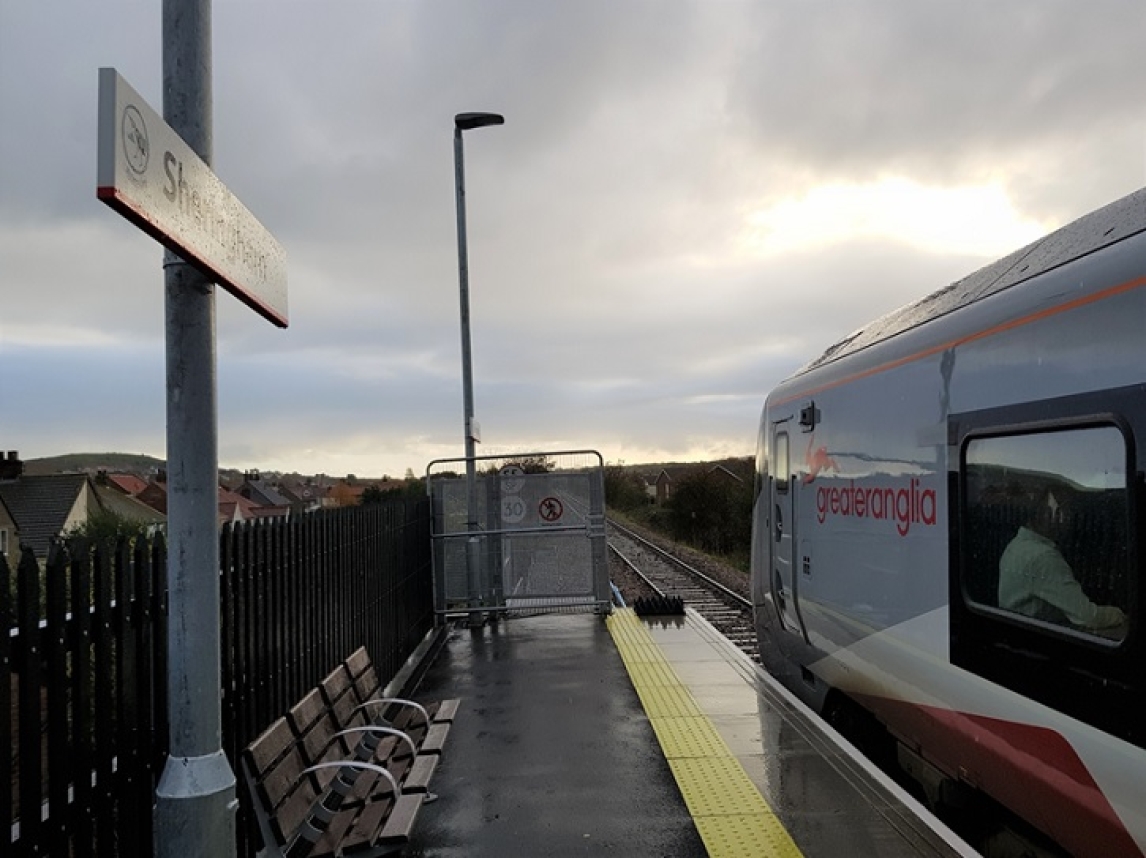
[(709, 507)]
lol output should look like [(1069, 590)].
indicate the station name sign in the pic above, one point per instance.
[(148, 174)]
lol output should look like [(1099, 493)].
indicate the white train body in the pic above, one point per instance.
[(892, 472)]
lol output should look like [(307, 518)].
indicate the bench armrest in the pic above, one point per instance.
[(356, 764), (387, 701), (387, 731)]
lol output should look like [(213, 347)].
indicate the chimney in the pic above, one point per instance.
[(11, 467)]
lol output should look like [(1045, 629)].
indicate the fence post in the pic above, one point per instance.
[(82, 758), (56, 661), (7, 621), (31, 681)]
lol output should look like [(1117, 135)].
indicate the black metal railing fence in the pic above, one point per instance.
[(82, 668)]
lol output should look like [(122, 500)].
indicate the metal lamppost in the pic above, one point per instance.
[(467, 122)]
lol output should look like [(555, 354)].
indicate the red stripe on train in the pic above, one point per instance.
[(1032, 770)]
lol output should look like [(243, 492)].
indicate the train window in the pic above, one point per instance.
[(1044, 529), (761, 461), (782, 464)]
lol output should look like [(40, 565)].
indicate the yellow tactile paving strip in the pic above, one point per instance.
[(732, 817)]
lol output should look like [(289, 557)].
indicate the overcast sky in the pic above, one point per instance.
[(688, 201)]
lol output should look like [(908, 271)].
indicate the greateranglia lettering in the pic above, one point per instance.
[(905, 504)]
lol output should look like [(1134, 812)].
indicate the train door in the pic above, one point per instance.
[(783, 583)]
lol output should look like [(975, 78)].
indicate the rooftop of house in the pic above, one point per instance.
[(40, 505), (129, 484), (261, 493)]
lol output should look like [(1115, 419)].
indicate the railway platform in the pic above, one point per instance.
[(583, 735)]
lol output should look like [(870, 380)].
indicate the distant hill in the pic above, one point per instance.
[(129, 463), (742, 466), (132, 463), (92, 463)]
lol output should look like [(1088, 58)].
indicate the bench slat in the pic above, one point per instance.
[(338, 693), (446, 710), (269, 745), (418, 777), (435, 740), (311, 709), (289, 817), (400, 822), (333, 839), (358, 661), (281, 780), (368, 825)]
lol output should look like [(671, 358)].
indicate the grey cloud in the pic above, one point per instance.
[(954, 91), (612, 305)]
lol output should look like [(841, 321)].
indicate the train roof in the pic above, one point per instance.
[(1105, 226)]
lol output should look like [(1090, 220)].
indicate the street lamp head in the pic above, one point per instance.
[(468, 121)]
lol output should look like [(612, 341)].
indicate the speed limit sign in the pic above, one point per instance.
[(512, 479), (512, 510)]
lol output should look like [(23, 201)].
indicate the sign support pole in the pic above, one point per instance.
[(195, 800)]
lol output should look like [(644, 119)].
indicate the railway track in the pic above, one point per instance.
[(728, 611)]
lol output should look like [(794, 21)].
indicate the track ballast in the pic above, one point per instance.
[(669, 576)]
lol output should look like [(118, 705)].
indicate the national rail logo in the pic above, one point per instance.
[(136, 146)]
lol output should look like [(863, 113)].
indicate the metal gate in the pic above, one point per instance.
[(535, 539)]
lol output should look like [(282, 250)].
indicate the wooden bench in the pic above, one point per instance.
[(429, 725), (346, 770)]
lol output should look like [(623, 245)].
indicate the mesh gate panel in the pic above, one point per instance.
[(539, 542)]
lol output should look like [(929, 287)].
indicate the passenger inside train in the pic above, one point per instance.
[(1036, 580)]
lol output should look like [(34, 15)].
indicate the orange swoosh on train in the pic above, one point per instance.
[(817, 462)]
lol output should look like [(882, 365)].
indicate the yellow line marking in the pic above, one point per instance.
[(732, 817)]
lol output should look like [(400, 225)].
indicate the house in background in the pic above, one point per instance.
[(128, 484), (231, 505), (112, 497), (659, 487), (267, 501), (304, 495), (45, 507), (662, 485), (9, 535), (349, 491), (344, 492)]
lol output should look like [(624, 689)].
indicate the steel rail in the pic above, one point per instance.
[(633, 568), (671, 558)]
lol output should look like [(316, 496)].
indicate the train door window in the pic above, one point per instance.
[(761, 461), (783, 467), (1044, 530)]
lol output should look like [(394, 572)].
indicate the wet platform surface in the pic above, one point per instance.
[(551, 753), (554, 752)]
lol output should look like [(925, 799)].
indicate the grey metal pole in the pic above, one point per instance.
[(473, 545), (474, 577), (195, 800)]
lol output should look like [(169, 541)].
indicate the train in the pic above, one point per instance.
[(949, 540)]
